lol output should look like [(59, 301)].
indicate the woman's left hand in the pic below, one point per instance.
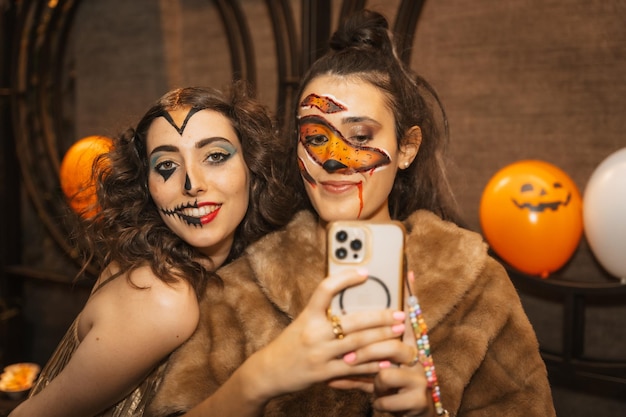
[(398, 389), (403, 391)]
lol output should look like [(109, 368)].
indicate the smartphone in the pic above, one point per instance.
[(377, 246)]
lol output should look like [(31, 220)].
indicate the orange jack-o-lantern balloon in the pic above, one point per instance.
[(531, 215), (75, 173)]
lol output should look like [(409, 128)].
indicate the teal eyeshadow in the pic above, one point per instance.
[(228, 147), (153, 160)]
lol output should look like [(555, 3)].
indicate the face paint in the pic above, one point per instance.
[(347, 149), (164, 168), (305, 174), (360, 187), (202, 214), (198, 177), (328, 148), (171, 121), (325, 104)]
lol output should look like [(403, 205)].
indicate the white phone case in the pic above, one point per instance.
[(379, 247)]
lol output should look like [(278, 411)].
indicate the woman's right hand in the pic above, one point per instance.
[(308, 351)]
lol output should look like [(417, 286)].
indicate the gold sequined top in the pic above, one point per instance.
[(132, 405)]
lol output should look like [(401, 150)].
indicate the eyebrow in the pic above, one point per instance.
[(164, 148), (200, 144), (204, 142), (359, 119)]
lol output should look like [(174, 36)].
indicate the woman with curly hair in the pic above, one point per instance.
[(179, 195)]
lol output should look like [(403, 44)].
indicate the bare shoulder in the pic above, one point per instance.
[(142, 303)]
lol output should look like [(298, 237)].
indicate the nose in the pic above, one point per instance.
[(332, 165), (194, 184), (333, 151)]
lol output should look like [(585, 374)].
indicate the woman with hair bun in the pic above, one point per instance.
[(265, 345)]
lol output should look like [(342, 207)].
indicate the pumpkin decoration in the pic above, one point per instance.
[(75, 173), (531, 215)]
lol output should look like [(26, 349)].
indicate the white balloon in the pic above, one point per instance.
[(604, 213)]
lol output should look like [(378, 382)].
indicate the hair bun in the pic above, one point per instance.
[(364, 29)]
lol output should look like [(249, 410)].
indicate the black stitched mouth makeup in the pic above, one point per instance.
[(192, 213)]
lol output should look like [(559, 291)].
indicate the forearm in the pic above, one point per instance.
[(244, 394)]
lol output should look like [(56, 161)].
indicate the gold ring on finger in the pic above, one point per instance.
[(337, 329)]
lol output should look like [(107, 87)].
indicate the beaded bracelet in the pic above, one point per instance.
[(423, 348)]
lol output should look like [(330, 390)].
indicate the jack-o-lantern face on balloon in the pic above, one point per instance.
[(539, 196), (531, 215)]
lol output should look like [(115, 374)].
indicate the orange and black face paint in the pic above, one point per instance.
[(324, 104), (326, 145), (328, 148)]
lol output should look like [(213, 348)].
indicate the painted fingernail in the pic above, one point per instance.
[(349, 357), (399, 315), (362, 271), (384, 364), (398, 328)]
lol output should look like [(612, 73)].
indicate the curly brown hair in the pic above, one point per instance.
[(128, 229)]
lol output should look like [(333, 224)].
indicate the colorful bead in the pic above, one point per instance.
[(423, 346)]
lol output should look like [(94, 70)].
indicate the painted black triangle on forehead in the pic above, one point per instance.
[(171, 121)]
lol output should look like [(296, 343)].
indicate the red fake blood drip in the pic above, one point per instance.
[(360, 187)]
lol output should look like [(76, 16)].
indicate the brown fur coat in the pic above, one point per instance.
[(484, 348)]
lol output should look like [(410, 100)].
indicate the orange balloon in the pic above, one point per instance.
[(531, 215), (75, 173)]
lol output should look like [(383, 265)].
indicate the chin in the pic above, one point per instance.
[(329, 215)]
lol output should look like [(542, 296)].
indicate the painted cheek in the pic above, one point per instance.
[(305, 173)]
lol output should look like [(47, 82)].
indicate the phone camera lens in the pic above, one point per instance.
[(341, 253), (356, 244), (342, 236)]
